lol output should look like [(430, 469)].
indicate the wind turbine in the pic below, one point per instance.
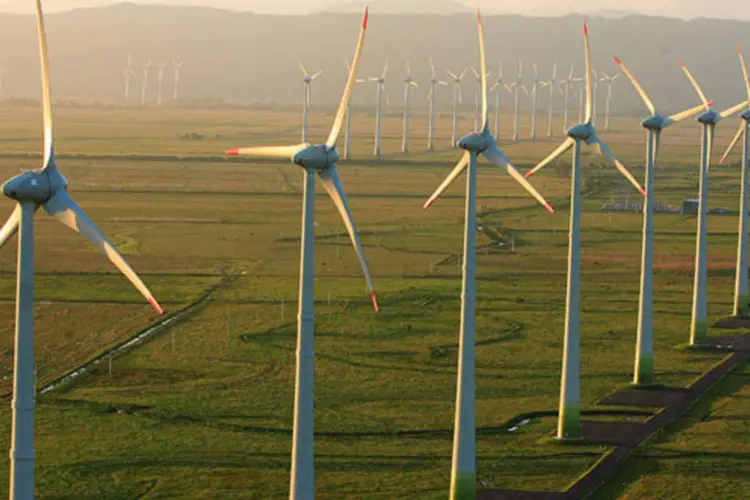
[(321, 159), (534, 93), (551, 83), (708, 120), (463, 469), (144, 84), (514, 87), (409, 83), (162, 67), (431, 96), (127, 73), (348, 118), (379, 81), (741, 306), (566, 84), (654, 124), (498, 88), (45, 187), (457, 99), (569, 421), (307, 84), (177, 69), (609, 80)]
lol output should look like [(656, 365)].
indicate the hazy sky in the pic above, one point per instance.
[(730, 9)]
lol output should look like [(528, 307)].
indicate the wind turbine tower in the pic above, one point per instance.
[(569, 419), (379, 82), (515, 87), (144, 84), (307, 80), (552, 84), (566, 86), (409, 83), (477, 99), (177, 70), (534, 93), (128, 73), (498, 88), (162, 67), (609, 80)]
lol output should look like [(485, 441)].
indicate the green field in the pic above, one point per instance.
[(203, 409)]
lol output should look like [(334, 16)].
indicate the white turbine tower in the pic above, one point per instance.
[(348, 117), (128, 73), (307, 80), (320, 159), (457, 100), (569, 420), (654, 124), (741, 306), (609, 80), (177, 70), (162, 67), (514, 87), (566, 85), (498, 88), (551, 83), (431, 97), (463, 469), (41, 188), (379, 82), (409, 83), (144, 84), (708, 120), (534, 94)]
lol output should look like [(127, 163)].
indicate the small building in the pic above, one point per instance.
[(690, 206)]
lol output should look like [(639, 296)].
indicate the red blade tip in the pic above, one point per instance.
[(711, 103), (721, 162), (527, 174), (427, 204), (479, 16), (232, 152), (155, 305), (375, 302), (643, 192), (617, 60), (367, 16), (549, 208), (585, 28), (682, 65)]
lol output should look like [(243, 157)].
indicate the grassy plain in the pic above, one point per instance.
[(204, 409)]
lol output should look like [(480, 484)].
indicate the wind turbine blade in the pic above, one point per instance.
[(11, 226), (464, 73), (459, 168), (432, 66), (482, 54), (734, 109), (316, 75), (46, 87), (687, 113), (732, 145), (589, 91), (525, 90), (414, 84), (494, 87), (624, 171), (62, 207), (285, 152), (561, 150), (744, 71), (644, 96), (695, 84), (339, 121), (332, 183), (302, 68), (476, 73), (497, 157), (452, 74)]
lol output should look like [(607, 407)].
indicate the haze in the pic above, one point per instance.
[(725, 9)]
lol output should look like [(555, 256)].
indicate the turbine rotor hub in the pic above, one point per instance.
[(581, 132), (31, 186), (475, 142), (655, 122), (317, 157), (710, 117), (745, 115)]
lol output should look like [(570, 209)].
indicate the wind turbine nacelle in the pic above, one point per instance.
[(31, 186), (745, 115), (710, 117), (473, 142), (655, 122), (317, 157), (581, 132)]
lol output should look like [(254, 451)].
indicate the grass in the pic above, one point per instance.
[(204, 408)]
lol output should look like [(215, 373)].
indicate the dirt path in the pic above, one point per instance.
[(627, 436)]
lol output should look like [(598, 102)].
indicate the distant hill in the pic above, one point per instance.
[(441, 7), (244, 57)]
